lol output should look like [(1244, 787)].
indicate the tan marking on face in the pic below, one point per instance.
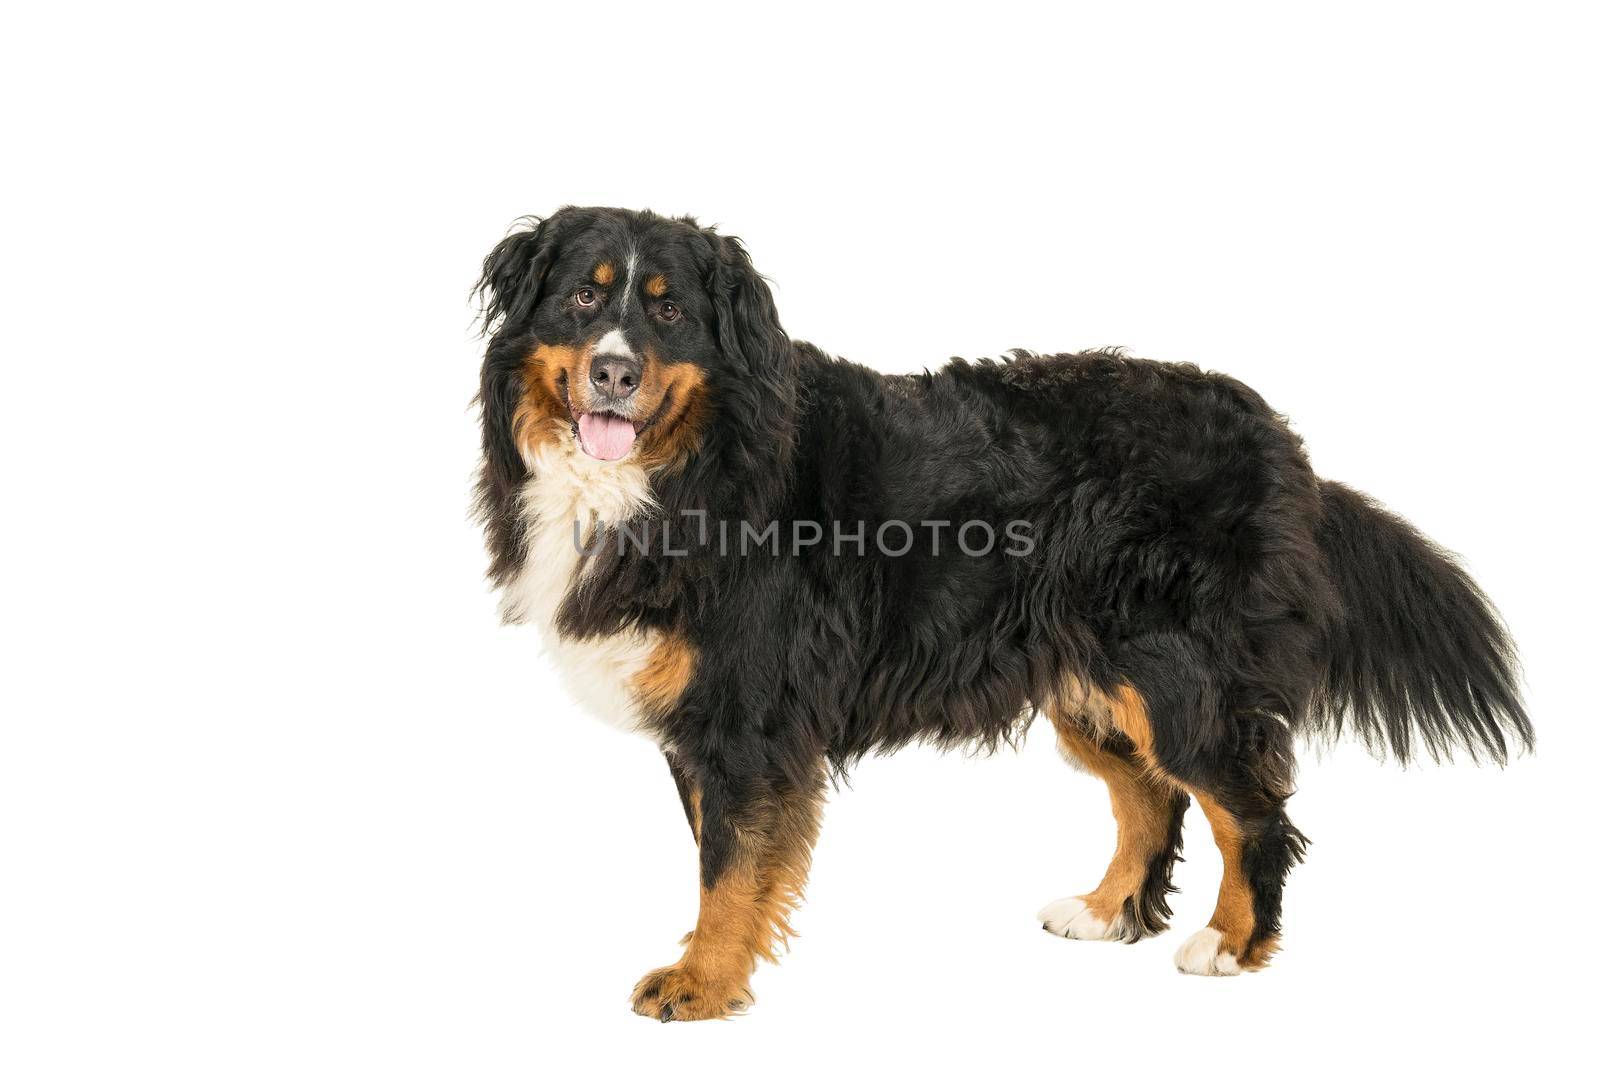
[(665, 675), (605, 274), (1142, 807), (744, 913), (673, 399), (672, 402), (541, 418), (656, 286)]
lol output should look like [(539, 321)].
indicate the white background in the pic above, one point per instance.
[(275, 788)]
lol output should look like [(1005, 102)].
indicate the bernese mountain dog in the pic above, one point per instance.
[(771, 563)]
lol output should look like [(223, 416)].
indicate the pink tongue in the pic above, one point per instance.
[(605, 436)]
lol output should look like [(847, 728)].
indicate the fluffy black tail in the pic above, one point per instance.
[(1420, 651)]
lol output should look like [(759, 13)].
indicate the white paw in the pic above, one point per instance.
[(1071, 917), (1202, 954)]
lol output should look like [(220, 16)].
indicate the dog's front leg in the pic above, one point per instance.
[(688, 793), (755, 838)]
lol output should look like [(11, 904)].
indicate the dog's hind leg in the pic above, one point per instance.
[(1239, 767), (1258, 846), (1131, 900)]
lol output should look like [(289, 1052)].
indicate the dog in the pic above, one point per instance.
[(771, 563)]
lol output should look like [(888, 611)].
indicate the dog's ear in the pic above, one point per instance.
[(748, 330), (758, 404), (514, 271), (508, 291)]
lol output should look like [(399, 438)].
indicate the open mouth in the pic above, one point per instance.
[(603, 435)]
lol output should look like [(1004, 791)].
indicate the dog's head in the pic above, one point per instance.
[(625, 327), (631, 337)]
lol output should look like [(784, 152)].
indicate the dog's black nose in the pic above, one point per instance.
[(614, 376)]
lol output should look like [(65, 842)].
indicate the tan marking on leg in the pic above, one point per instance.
[(1235, 916), (1129, 714), (1131, 717), (665, 674), (795, 822), (605, 274), (1087, 708), (656, 286), (694, 798), (744, 915), (1141, 806), (711, 981)]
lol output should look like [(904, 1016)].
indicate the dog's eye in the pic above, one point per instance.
[(585, 297), (668, 312)]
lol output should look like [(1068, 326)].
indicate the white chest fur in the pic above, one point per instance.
[(570, 488)]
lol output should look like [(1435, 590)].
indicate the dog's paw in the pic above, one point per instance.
[(1072, 917), (1203, 954), (679, 994)]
